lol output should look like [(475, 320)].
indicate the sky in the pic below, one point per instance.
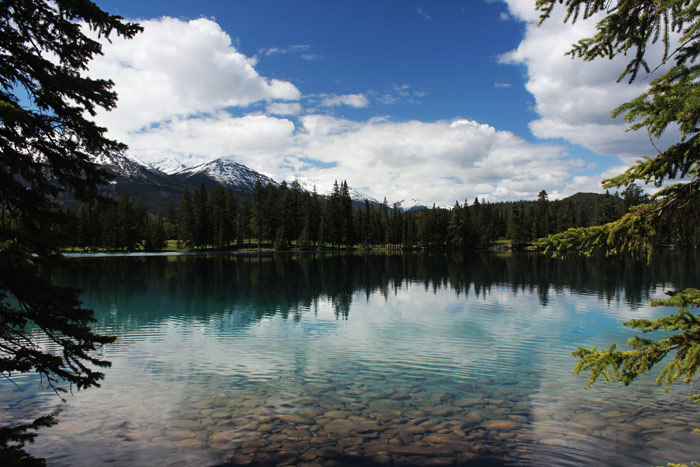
[(435, 100)]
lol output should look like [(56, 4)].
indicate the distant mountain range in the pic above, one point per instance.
[(159, 183)]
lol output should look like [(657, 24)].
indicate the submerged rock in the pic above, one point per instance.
[(295, 418)]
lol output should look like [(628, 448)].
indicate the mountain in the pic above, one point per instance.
[(164, 181), (123, 166), (168, 165), (142, 183), (412, 204), (159, 183), (225, 171)]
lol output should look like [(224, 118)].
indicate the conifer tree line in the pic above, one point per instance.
[(286, 216)]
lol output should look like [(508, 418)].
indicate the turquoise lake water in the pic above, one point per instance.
[(349, 359)]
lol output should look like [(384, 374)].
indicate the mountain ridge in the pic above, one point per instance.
[(160, 183)]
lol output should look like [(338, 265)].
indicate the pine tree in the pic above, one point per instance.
[(347, 236), (201, 226), (269, 214), (628, 28), (46, 140), (257, 220), (313, 213), (540, 224), (186, 217), (516, 230), (243, 221), (217, 209), (304, 240), (155, 234), (334, 221), (605, 210), (454, 227), (284, 217), (230, 217)]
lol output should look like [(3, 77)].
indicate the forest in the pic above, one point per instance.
[(288, 217)]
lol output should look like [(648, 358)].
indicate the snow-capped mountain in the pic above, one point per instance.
[(326, 189), (226, 172), (409, 204), (168, 165), (162, 182), (142, 183), (122, 165)]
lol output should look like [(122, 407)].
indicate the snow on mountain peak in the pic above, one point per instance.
[(122, 164), (228, 172), (409, 204), (168, 165)]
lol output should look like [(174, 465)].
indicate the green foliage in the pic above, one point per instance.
[(626, 365), (672, 99)]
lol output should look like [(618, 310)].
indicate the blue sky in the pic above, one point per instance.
[(435, 100)]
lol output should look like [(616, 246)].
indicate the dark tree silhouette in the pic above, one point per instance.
[(46, 142)]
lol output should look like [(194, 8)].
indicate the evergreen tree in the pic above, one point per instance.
[(605, 210), (304, 240), (313, 213), (454, 228), (257, 220), (629, 28), (478, 220), (269, 213), (285, 220), (201, 228), (46, 140), (540, 224), (155, 234), (395, 225), (333, 217), (186, 217), (230, 217), (280, 243), (130, 228), (218, 230), (294, 210), (243, 222), (633, 195), (516, 229)]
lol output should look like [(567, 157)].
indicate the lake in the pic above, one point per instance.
[(421, 358)]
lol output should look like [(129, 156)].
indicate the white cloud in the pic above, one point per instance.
[(296, 48), (352, 100), (178, 68), (177, 81), (255, 140), (424, 160), (302, 49), (284, 108), (312, 57), (573, 98)]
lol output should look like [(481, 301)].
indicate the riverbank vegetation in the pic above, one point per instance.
[(286, 217)]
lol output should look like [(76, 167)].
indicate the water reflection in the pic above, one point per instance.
[(420, 358), (286, 283)]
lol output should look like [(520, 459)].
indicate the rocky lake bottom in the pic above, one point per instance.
[(227, 361)]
